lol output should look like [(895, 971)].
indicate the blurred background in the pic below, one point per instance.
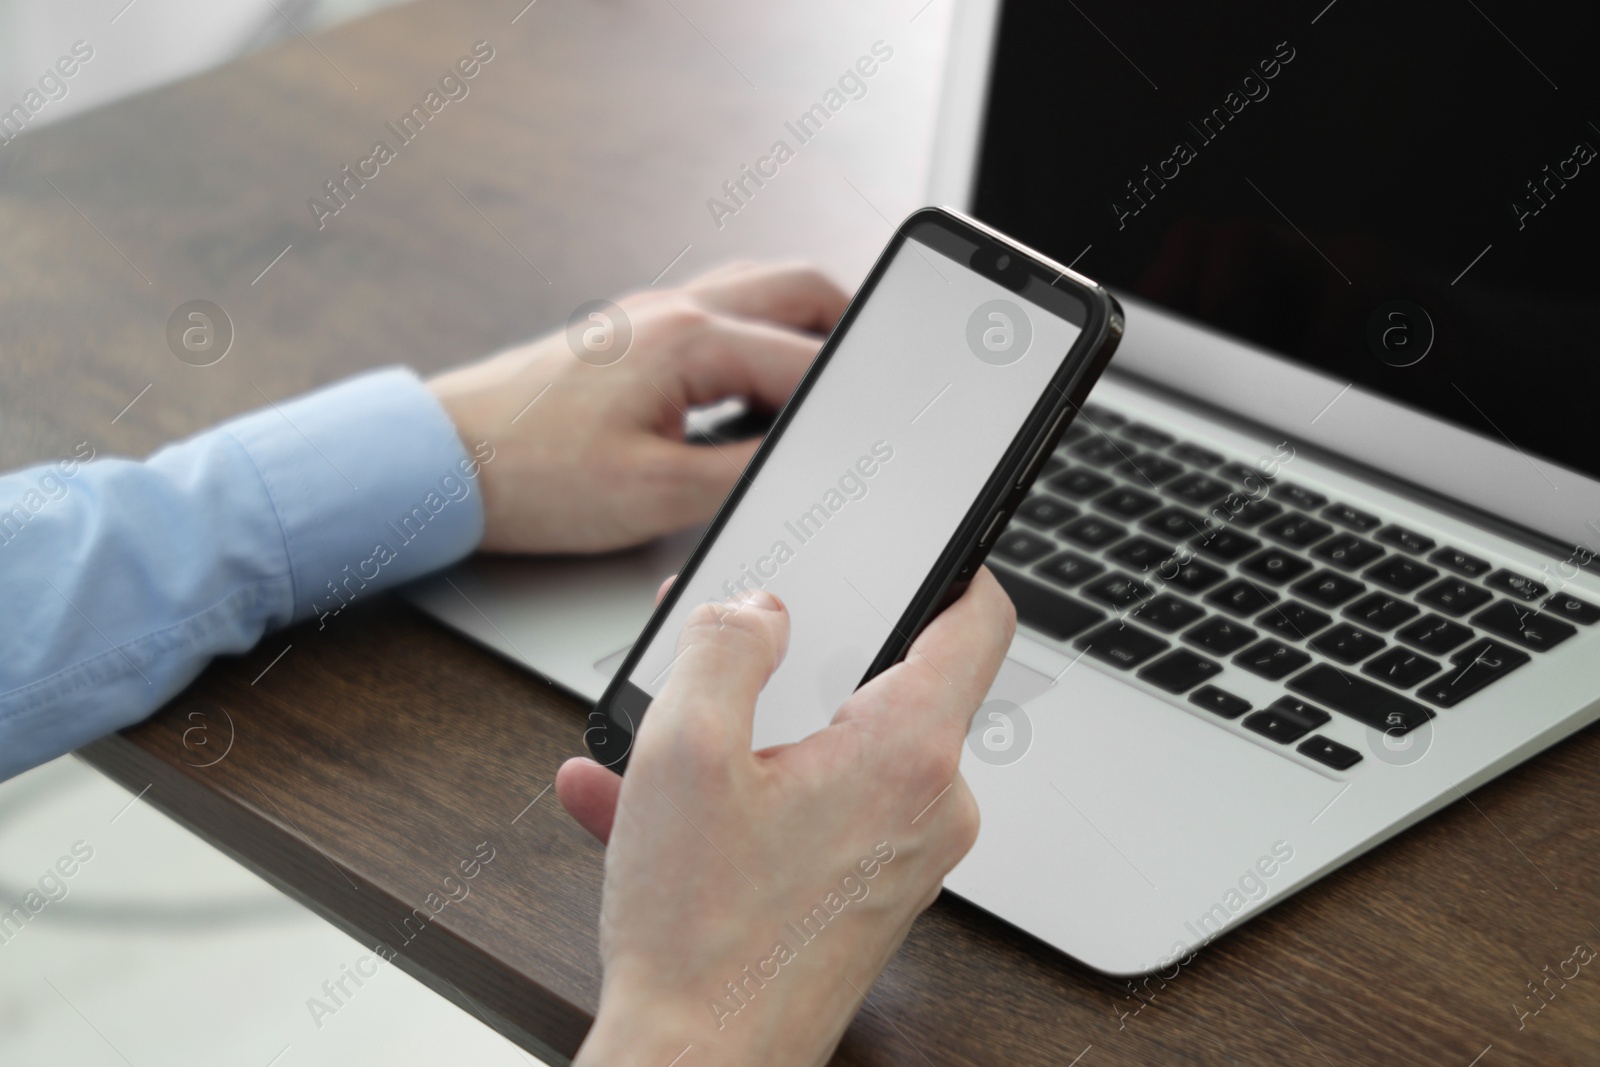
[(170, 39)]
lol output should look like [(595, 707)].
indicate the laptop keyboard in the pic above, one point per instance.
[(1349, 613)]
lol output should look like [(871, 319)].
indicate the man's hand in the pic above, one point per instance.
[(751, 899), (599, 461)]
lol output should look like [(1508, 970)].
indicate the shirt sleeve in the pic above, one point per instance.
[(119, 579)]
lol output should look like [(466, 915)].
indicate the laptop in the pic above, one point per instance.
[(1317, 560)]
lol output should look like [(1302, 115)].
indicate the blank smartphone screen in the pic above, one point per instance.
[(872, 476)]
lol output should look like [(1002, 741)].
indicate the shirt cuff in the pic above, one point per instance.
[(371, 484)]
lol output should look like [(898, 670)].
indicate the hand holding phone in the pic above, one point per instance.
[(751, 899), (889, 473)]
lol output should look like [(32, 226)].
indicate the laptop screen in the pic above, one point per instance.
[(1404, 198)]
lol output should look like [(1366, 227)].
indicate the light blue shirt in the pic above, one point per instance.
[(119, 580)]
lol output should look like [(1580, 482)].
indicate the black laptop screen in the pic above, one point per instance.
[(1334, 182)]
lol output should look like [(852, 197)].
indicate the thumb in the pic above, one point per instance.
[(589, 793), (726, 653)]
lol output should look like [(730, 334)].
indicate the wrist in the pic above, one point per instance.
[(648, 1028), (651, 1023)]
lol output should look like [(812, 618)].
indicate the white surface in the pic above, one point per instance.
[(165, 952), (963, 95)]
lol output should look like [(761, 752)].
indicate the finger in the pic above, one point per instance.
[(948, 670), (662, 591), (732, 267), (589, 793), (789, 293), (691, 481), (726, 653), (738, 357)]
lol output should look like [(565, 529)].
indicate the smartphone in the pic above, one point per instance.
[(885, 479)]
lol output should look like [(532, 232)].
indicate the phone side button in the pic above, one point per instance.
[(995, 523), (1046, 446)]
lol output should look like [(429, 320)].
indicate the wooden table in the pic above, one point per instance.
[(373, 756)]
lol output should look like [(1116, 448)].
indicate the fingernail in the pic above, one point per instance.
[(758, 598)]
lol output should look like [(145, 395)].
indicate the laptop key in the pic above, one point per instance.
[(1046, 610), (1079, 483), (1175, 524), (1477, 666), (1515, 585), (1195, 456), (1287, 720), (1329, 753), (1243, 474), (1045, 511), (1572, 609), (1407, 540), (1147, 435), (1141, 554), (1242, 597), (1099, 450), (1300, 497), (1168, 614), (1257, 512), (1527, 627), (1227, 544), (1091, 532), (1069, 568), (1121, 645), (1369, 703), (1435, 634), (1401, 668), (1275, 565), (1180, 671), (1348, 552), (1454, 597), (1195, 576), (1023, 546), (1219, 635), (1295, 529), (1198, 489), (1453, 559), (1329, 589), (1117, 590), (1219, 702), (1293, 620), (1149, 468), (1271, 659), (1400, 574), (1346, 644), (1354, 518), (1052, 466), (1125, 502), (1381, 611)]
